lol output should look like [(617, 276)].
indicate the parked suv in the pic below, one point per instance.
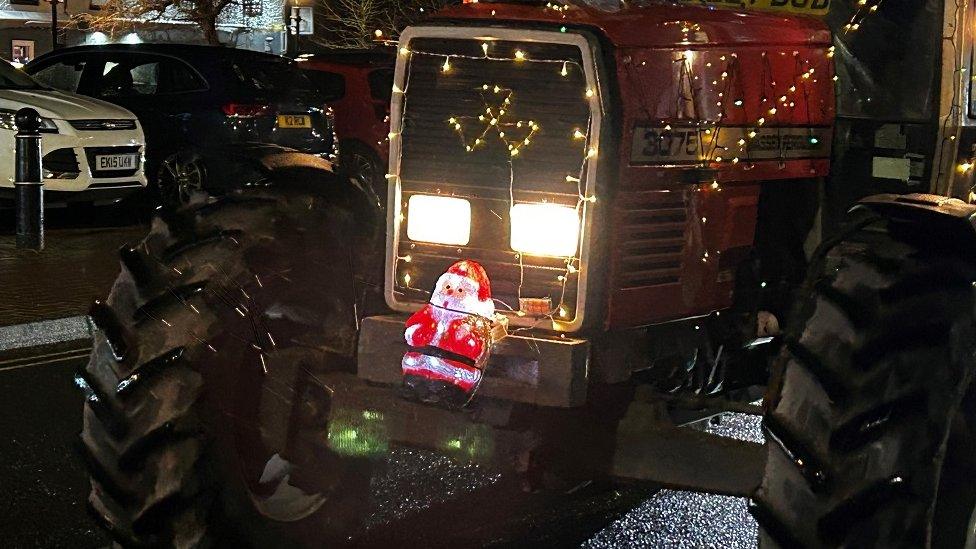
[(359, 85), (92, 150), (198, 104)]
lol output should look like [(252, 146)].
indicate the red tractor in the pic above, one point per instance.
[(642, 186)]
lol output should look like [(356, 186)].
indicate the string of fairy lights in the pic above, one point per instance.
[(774, 102), (965, 167), (496, 119), (862, 10), (781, 103)]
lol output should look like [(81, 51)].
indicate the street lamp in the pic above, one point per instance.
[(54, 23)]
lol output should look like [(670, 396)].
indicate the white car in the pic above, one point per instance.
[(92, 151)]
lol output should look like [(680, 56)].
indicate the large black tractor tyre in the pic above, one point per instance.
[(206, 369), (870, 412)]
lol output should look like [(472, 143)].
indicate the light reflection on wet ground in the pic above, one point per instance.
[(416, 479), (682, 519), (674, 518)]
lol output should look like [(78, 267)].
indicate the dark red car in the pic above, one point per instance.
[(361, 82)]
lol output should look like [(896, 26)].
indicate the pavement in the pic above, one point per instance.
[(78, 264), (673, 518)]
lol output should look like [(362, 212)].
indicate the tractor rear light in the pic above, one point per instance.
[(439, 219), (545, 229), (246, 110)]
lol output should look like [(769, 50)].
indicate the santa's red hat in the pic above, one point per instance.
[(474, 271)]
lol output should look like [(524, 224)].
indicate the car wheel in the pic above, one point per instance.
[(181, 177)]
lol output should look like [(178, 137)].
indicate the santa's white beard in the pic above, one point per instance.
[(467, 304)]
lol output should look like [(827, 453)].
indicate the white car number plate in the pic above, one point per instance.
[(104, 162)]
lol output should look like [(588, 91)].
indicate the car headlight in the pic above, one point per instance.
[(545, 229), (8, 122), (439, 219)]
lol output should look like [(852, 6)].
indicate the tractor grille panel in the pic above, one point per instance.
[(652, 244), (435, 159), (434, 151)]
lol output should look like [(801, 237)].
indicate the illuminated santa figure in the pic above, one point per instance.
[(450, 338)]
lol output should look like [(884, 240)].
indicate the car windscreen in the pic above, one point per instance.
[(273, 76), (12, 78)]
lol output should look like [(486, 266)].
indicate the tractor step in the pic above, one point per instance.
[(649, 448)]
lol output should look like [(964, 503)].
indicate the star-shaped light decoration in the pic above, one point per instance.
[(496, 118)]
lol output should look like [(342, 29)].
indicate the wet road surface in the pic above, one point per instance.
[(672, 518), (45, 486), (42, 479)]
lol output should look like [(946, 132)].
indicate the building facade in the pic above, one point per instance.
[(25, 28)]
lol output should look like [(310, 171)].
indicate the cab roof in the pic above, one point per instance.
[(664, 25)]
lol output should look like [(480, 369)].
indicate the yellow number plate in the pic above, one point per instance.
[(294, 121), (806, 7)]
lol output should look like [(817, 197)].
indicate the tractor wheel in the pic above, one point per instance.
[(871, 412), (366, 169), (206, 419)]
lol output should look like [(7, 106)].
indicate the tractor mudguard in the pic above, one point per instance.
[(938, 216)]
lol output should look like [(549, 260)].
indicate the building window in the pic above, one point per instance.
[(300, 21), (21, 51), (252, 8)]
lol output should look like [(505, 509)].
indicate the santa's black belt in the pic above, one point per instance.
[(437, 352)]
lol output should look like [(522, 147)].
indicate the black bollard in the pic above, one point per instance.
[(28, 185)]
